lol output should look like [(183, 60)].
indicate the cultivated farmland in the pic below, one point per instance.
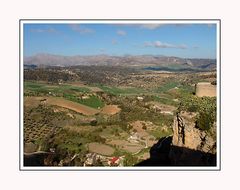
[(94, 121)]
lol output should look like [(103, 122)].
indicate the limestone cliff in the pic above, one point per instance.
[(190, 145)]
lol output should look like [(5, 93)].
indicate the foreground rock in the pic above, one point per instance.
[(189, 146)]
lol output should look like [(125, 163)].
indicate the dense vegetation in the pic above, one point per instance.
[(121, 91), (204, 106), (89, 74), (40, 122), (174, 68), (50, 75)]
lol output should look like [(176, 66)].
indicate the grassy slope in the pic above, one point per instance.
[(119, 91), (92, 101), (41, 87), (67, 91)]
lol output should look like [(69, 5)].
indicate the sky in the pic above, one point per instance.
[(180, 40)]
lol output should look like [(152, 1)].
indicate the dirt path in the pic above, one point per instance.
[(36, 153)]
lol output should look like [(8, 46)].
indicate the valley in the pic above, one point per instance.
[(106, 114)]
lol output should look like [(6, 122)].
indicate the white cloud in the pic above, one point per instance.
[(143, 26), (44, 30), (151, 26), (121, 33), (81, 29), (159, 44)]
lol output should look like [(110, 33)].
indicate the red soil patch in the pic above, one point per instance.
[(110, 109), (138, 126)]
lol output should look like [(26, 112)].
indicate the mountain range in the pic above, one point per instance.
[(43, 60)]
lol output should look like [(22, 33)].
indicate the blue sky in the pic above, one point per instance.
[(181, 40)]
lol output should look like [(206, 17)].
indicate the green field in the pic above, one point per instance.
[(121, 91), (92, 101), (66, 91), (174, 84), (46, 88)]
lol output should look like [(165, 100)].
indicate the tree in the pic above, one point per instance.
[(130, 160), (144, 126)]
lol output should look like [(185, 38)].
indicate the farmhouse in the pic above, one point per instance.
[(134, 138), (85, 97), (140, 98), (116, 161)]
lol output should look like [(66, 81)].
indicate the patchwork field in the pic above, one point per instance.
[(62, 103), (106, 115)]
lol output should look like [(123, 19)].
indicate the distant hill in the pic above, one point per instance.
[(43, 60), (30, 66)]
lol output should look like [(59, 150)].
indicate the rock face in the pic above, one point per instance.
[(190, 145)]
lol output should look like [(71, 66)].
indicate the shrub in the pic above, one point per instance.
[(130, 160), (144, 127), (205, 108), (204, 121), (93, 122), (214, 82)]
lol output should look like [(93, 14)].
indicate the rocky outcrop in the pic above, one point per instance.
[(190, 145)]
